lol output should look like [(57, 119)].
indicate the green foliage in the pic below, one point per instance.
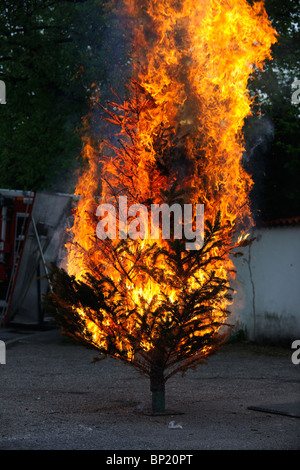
[(272, 139), (51, 52)]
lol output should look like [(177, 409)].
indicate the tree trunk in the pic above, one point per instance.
[(157, 384)]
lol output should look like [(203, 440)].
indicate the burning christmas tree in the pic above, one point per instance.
[(151, 301)]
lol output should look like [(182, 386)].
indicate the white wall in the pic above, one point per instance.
[(267, 299)]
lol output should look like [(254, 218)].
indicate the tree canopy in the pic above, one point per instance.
[(51, 53)]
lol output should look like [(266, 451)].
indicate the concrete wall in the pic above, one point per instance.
[(267, 300)]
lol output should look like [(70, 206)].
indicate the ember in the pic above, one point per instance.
[(155, 304)]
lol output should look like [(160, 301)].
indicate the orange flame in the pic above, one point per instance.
[(193, 60)]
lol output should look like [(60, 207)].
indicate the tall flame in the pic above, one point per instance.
[(193, 60)]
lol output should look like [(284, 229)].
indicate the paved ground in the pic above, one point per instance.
[(54, 397)]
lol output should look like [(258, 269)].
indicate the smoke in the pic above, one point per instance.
[(259, 134)]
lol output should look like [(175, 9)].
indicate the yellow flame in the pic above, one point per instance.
[(195, 59)]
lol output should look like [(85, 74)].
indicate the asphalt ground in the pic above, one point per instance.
[(54, 397)]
